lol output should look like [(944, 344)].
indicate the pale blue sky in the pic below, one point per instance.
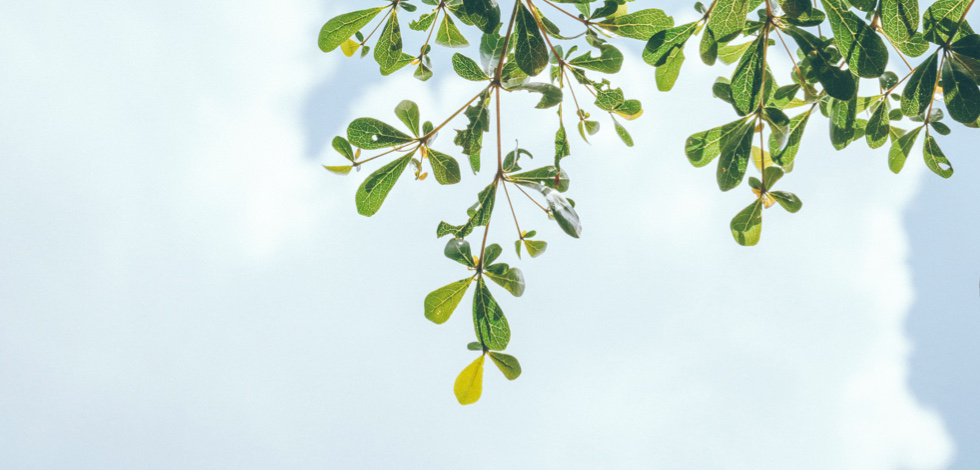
[(184, 286)]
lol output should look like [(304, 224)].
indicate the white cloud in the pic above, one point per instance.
[(188, 292)]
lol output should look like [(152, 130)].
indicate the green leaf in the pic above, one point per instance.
[(468, 68), (488, 319), (559, 208), (703, 147), (667, 74), (534, 247), (919, 90), (376, 187), (659, 47), (480, 215), (531, 52), (544, 175), (372, 134), (935, 159), (900, 19), (474, 346), (507, 364), (388, 51), (469, 383), (941, 21), (550, 94), (969, 46), (442, 302), (470, 140), (900, 150), (458, 250), (640, 25), (449, 35), (838, 83), (843, 115), (787, 156), (864, 50), (507, 277), (727, 19), (960, 93), (879, 126), (408, 112), (610, 60), (339, 29), (735, 153), (342, 146), (748, 78), (795, 8), (730, 54), (485, 14), (789, 201), (747, 225), (444, 167), (491, 253), (623, 134), (424, 22)]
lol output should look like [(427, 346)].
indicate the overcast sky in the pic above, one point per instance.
[(184, 287)]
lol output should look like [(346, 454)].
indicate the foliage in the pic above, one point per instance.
[(838, 43)]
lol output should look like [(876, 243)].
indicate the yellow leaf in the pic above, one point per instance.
[(339, 170), (469, 384), (349, 47), (423, 176), (630, 117), (756, 157)]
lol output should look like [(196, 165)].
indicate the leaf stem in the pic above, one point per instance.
[(580, 20), (383, 18)]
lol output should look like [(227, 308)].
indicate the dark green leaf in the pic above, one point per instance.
[(610, 60), (659, 47), (842, 118), (935, 159), (388, 51), (544, 175), (531, 52), (507, 277), (921, 86), (458, 250), (941, 21), (864, 50), (550, 94), (489, 320), (485, 14), (703, 147), (787, 156), (342, 146), (480, 215), (507, 364), (789, 201), (879, 126), (735, 153), (960, 93), (748, 78)]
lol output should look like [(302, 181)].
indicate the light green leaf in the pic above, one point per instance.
[(372, 134), (449, 35), (787, 156), (550, 94), (610, 60), (544, 175), (900, 150), (339, 170), (843, 116), (640, 25), (667, 74), (703, 147), (727, 19), (900, 19), (339, 29), (442, 302), (747, 225), (468, 68), (408, 112), (879, 126), (444, 167), (342, 146), (376, 187), (941, 20), (623, 134)]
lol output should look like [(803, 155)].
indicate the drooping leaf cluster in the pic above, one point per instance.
[(833, 46)]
